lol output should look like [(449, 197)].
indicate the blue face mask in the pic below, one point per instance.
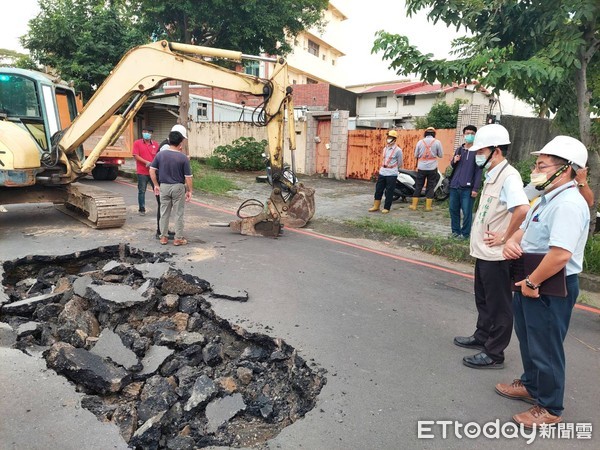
[(469, 138), (147, 136)]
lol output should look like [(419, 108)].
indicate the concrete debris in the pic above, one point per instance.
[(203, 390), (236, 295), (220, 410), (90, 371), (110, 346), (140, 339)]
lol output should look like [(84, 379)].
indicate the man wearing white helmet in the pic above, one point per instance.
[(557, 226), (163, 146), (388, 173), (502, 207)]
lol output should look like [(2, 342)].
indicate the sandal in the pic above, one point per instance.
[(164, 240), (181, 241)]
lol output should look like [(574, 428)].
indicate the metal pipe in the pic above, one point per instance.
[(259, 58), (206, 51)]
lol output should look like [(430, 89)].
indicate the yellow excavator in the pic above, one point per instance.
[(41, 133)]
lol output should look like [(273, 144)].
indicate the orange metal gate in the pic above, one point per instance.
[(365, 150)]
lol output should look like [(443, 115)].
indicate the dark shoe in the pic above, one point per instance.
[(482, 361), (158, 235), (516, 391), (538, 416), (468, 342), (171, 234)]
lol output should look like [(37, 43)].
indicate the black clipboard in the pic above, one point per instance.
[(556, 285)]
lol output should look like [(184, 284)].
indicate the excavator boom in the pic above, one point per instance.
[(145, 68)]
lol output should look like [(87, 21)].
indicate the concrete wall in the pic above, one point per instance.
[(338, 141), (527, 134), (204, 137)]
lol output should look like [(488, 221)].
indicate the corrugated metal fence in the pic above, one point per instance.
[(365, 150)]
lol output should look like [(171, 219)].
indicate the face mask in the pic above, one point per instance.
[(469, 138), (480, 161), (146, 136), (537, 179), (390, 140)]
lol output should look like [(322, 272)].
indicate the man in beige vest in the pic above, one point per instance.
[(502, 207)]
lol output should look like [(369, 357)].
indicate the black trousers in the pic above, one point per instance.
[(493, 298), (387, 183), (432, 178), (158, 214)]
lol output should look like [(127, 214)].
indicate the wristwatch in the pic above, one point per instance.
[(530, 285), (581, 185)]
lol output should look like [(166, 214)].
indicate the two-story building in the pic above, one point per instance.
[(398, 104)]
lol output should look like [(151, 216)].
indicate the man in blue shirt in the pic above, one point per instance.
[(557, 226), (174, 185), (464, 185)]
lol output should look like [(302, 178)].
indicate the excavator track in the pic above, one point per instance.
[(97, 208)]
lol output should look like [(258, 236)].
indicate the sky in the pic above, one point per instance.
[(358, 34)]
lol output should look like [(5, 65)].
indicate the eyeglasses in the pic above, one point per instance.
[(543, 166)]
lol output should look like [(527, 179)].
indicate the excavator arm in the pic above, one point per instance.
[(146, 67)]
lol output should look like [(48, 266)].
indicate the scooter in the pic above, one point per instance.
[(405, 186)]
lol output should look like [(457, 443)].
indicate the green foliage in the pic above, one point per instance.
[(524, 168), (244, 153), (83, 39), (441, 115), (249, 26), (591, 257), (11, 58), (536, 50), (400, 229), (207, 181)]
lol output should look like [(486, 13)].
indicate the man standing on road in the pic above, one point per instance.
[(144, 151), (501, 211), (165, 145), (173, 185), (557, 226), (388, 173), (427, 151), (464, 185)]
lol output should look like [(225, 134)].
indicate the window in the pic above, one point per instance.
[(313, 48), (252, 68), (409, 100), (202, 111), (323, 56), (333, 62), (381, 102), (311, 81)]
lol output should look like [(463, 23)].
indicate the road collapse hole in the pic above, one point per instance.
[(139, 339)]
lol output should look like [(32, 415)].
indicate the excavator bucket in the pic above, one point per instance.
[(301, 207)]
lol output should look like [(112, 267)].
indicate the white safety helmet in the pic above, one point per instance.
[(492, 135), (567, 148), (181, 129)]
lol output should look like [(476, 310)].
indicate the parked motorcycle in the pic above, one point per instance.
[(405, 186)]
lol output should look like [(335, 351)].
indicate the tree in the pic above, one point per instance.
[(11, 58), (441, 115), (83, 39), (252, 27), (544, 51)]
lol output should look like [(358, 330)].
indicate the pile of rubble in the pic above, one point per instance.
[(140, 340)]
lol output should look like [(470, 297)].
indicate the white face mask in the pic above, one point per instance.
[(480, 161), (390, 140)]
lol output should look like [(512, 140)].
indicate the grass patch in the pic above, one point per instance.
[(400, 229), (591, 258), (207, 180), (453, 249)]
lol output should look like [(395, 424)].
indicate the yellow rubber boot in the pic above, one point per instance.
[(376, 205), (415, 202), (428, 203), (385, 211)]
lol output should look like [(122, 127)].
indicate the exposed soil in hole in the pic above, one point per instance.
[(140, 340)]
